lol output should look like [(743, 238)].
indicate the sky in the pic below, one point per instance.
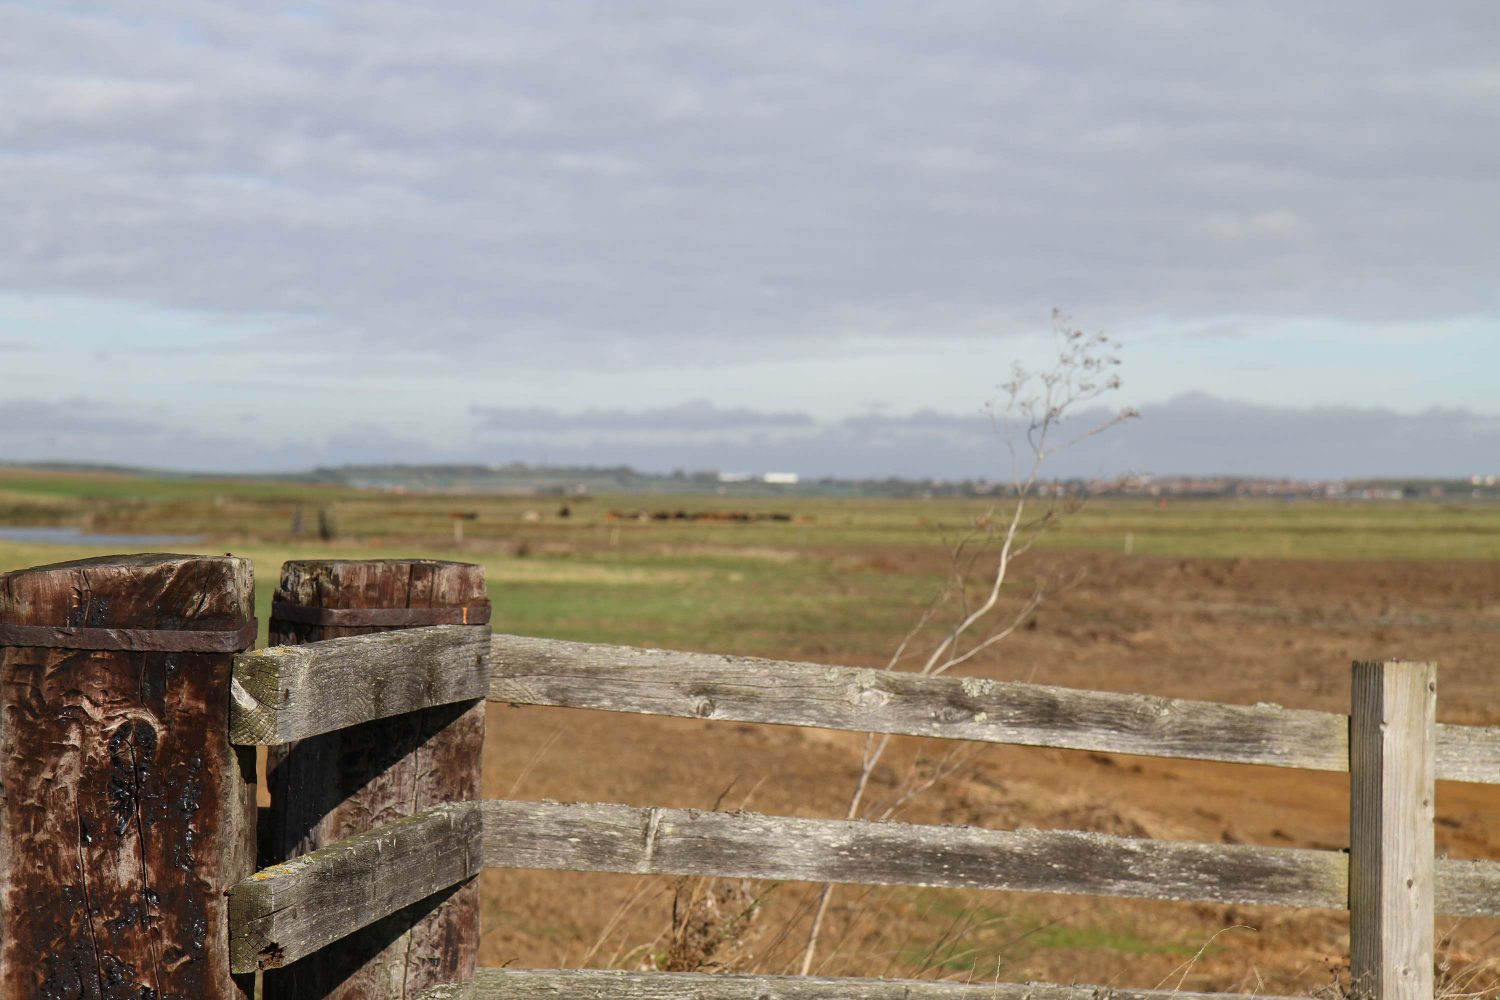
[(810, 236)]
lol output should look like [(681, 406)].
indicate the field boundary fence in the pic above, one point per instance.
[(135, 862)]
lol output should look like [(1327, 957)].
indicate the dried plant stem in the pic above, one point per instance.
[(1034, 407)]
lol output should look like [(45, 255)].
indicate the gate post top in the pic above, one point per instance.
[(350, 582), (1394, 666), (371, 584), (153, 590)]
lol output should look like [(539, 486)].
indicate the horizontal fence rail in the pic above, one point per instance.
[(1468, 888), (631, 840), (581, 984), (617, 838), (290, 910), (285, 693), (527, 671), (1468, 753)]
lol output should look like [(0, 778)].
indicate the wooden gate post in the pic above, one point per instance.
[(346, 782), (125, 813), (1392, 736)]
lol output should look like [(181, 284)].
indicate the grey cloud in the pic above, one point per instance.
[(73, 417), (1193, 434), (696, 416), (87, 429), (602, 184), (1199, 433)]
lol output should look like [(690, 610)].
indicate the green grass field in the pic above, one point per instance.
[(1303, 529)]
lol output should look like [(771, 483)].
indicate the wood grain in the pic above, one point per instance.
[(288, 693), (618, 838), (125, 813), (288, 911), (1468, 753), (528, 671), (339, 784), (1467, 888), (747, 689), (584, 984), (632, 840), (1391, 806)]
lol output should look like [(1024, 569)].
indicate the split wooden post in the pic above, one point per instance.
[(125, 814), (1392, 739), (340, 784)]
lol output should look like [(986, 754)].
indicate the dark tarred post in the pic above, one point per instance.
[(125, 814), (343, 783)]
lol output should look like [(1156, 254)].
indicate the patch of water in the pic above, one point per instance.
[(76, 536)]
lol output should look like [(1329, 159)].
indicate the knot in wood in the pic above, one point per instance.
[(958, 712), (864, 696)]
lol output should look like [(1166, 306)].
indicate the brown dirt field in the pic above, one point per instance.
[(1225, 630)]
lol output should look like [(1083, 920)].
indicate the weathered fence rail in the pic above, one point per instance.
[(126, 835), (530, 671), (290, 910), (615, 838), (293, 909), (287, 693)]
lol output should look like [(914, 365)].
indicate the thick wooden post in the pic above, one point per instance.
[(1392, 737), (343, 783), (125, 813)]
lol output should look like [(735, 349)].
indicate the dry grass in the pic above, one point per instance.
[(1458, 973), (713, 926), (1465, 973)]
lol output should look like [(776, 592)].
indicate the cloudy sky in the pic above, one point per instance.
[(781, 235)]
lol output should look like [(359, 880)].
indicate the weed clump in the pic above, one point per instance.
[(712, 926)]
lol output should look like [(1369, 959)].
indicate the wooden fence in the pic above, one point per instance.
[(132, 709)]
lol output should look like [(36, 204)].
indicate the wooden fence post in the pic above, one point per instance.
[(343, 783), (125, 814), (1392, 739)]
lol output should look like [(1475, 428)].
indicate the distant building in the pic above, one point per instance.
[(781, 478), (735, 477)]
